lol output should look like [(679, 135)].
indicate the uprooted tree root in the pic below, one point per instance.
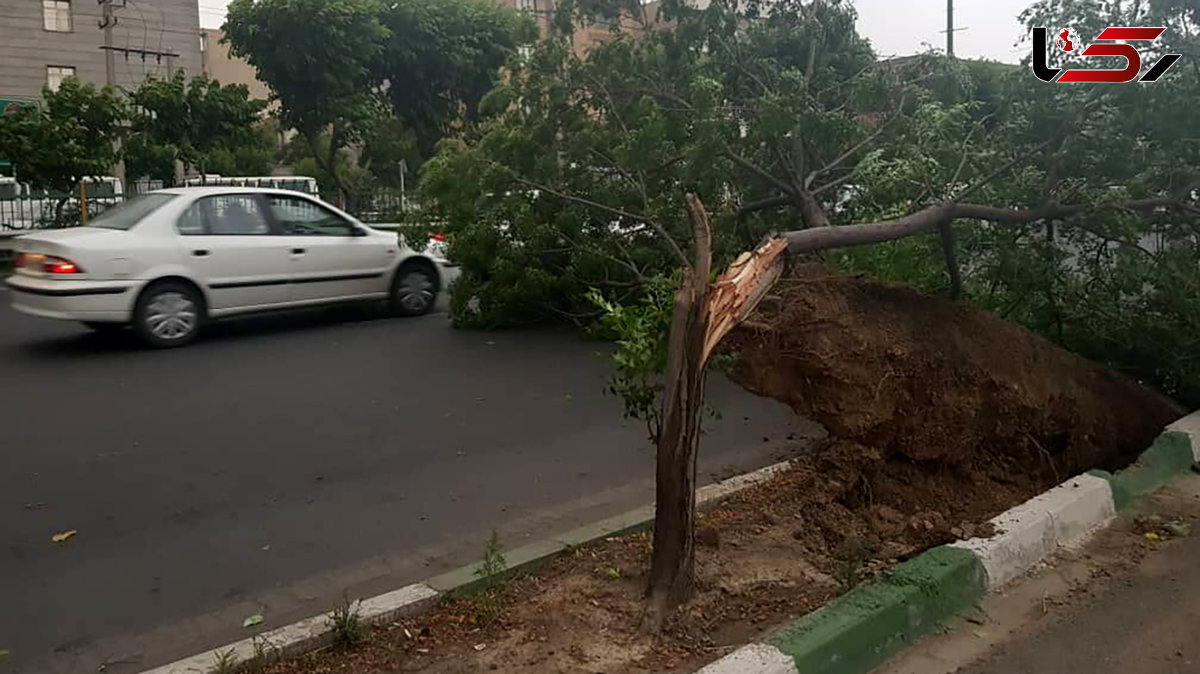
[(919, 391)]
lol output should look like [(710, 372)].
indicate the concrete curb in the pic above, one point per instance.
[(864, 627), (313, 633)]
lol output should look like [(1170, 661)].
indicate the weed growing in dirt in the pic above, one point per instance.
[(263, 649), (348, 628), (489, 603), (851, 555), (225, 662)]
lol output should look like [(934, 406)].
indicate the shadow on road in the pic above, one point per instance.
[(85, 343)]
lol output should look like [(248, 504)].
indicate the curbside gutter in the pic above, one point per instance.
[(864, 627), (315, 632)]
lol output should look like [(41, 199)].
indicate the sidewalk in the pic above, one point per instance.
[(1123, 605)]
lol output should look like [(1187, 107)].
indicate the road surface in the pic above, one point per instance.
[(284, 460)]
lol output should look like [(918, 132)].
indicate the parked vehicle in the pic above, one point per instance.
[(294, 183), (167, 261)]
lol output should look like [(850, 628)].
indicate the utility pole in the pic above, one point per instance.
[(403, 195), (110, 67), (949, 28)]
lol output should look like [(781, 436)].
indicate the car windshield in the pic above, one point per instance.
[(128, 214)]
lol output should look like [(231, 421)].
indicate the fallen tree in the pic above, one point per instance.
[(950, 176)]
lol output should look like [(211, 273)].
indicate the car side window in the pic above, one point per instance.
[(191, 223), (301, 217), (225, 215)]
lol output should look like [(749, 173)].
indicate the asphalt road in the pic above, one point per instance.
[(284, 460)]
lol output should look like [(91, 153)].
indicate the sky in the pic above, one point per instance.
[(894, 27)]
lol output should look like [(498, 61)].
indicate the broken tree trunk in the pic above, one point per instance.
[(672, 564), (700, 318)]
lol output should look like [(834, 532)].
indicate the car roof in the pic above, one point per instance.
[(223, 189)]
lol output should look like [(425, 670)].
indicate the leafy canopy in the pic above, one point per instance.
[(73, 137), (200, 123)]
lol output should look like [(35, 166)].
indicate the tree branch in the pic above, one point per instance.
[(808, 181), (825, 238), (668, 240), (764, 204), (755, 169)]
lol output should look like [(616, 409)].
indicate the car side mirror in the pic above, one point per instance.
[(357, 231)]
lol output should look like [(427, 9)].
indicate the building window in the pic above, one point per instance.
[(56, 74), (528, 5), (56, 15)]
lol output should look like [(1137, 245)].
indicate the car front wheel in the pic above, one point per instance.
[(168, 314), (414, 290)]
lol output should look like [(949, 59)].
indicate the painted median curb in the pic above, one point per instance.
[(864, 627), (315, 632)]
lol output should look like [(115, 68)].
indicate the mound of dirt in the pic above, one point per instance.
[(928, 401)]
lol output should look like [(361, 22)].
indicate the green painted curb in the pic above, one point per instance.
[(869, 624), (1170, 455)]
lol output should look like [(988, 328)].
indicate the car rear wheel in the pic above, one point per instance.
[(414, 290), (168, 314)]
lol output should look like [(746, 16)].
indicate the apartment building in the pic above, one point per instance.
[(225, 68), (585, 37), (43, 42)]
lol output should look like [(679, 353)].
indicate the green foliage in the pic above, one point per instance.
[(318, 56), (321, 59), (490, 600), (202, 124), (640, 331), (345, 623), (441, 57), (74, 136), (629, 130), (225, 662), (390, 75), (850, 556)]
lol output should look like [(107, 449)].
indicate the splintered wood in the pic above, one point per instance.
[(738, 291)]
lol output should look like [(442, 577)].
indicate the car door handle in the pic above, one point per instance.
[(200, 253), (298, 251)]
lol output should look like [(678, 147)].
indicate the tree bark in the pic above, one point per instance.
[(956, 284), (826, 238), (672, 565), (701, 316)]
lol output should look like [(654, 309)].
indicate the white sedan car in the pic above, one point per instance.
[(167, 261)]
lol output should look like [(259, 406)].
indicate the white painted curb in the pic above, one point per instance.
[(1064, 516), (753, 659), (1189, 425), (307, 634)]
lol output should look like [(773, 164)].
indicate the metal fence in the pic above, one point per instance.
[(23, 210), (51, 210)]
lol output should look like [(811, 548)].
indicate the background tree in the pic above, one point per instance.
[(199, 124), (74, 136), (385, 77), (321, 59), (979, 180), (441, 57)]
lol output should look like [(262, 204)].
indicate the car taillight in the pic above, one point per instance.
[(438, 236), (59, 265), (18, 260)]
